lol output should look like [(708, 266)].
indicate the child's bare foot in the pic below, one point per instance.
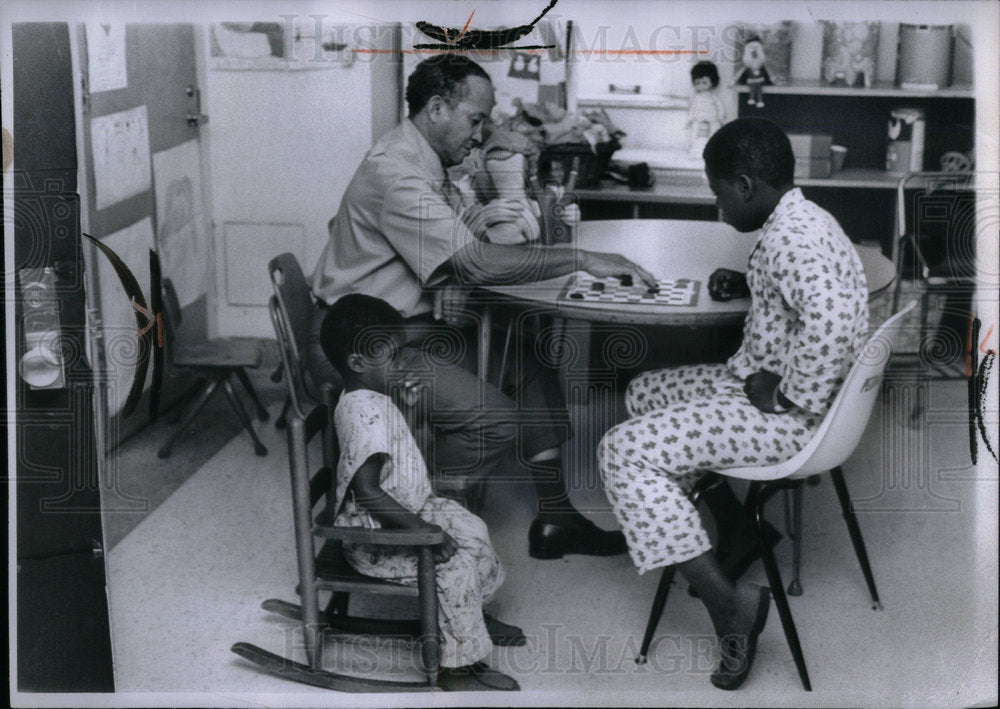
[(738, 636)]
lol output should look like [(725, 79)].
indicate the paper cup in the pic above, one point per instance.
[(837, 155)]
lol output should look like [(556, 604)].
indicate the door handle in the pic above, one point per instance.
[(195, 117)]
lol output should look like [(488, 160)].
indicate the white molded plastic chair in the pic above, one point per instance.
[(835, 440), (844, 424)]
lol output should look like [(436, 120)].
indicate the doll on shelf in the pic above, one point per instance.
[(754, 75), (707, 110)]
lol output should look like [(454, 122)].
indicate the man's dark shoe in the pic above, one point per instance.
[(478, 677), (503, 634), (575, 534)]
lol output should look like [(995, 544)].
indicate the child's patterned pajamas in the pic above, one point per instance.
[(369, 423), (807, 323)]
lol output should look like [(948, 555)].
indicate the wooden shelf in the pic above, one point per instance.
[(693, 188), (853, 177), (652, 101), (881, 88)]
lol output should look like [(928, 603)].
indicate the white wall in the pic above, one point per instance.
[(283, 145)]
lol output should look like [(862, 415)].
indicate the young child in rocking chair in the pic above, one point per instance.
[(382, 481)]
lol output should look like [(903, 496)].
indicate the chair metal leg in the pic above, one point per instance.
[(787, 504), (199, 404), (241, 374), (506, 349), (756, 498), (855, 531), (186, 397), (659, 601), (282, 419), (795, 585), (227, 387), (430, 642)]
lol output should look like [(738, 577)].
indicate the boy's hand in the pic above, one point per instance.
[(450, 303), (445, 550), (408, 391), (762, 390), (725, 284)]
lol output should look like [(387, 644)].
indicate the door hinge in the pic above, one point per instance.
[(84, 94), (195, 117)]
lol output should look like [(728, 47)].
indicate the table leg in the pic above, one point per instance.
[(511, 319), (485, 332)]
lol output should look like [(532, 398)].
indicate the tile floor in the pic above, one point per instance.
[(187, 582)]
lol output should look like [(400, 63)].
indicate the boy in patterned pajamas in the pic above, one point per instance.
[(807, 322), (382, 481)]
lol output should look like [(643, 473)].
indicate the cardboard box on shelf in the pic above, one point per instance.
[(813, 167), (810, 145)]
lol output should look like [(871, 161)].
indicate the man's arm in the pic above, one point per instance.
[(482, 263), (435, 243)]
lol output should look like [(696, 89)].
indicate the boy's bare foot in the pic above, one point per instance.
[(738, 638)]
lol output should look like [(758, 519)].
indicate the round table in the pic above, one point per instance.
[(667, 248)]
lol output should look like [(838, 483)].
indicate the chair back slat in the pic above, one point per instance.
[(290, 366), (295, 296), (294, 301), (171, 318), (846, 421)]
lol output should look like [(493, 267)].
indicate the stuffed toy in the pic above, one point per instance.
[(707, 111), (754, 74)]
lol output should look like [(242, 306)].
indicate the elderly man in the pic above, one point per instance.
[(400, 236)]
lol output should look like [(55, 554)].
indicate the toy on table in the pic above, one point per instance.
[(754, 74), (707, 111), (556, 211), (510, 163), (667, 292)]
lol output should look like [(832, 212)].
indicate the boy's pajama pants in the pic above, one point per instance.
[(683, 422), (464, 582)]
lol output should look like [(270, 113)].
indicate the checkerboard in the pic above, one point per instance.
[(668, 292)]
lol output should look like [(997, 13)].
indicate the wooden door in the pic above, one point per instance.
[(143, 185)]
